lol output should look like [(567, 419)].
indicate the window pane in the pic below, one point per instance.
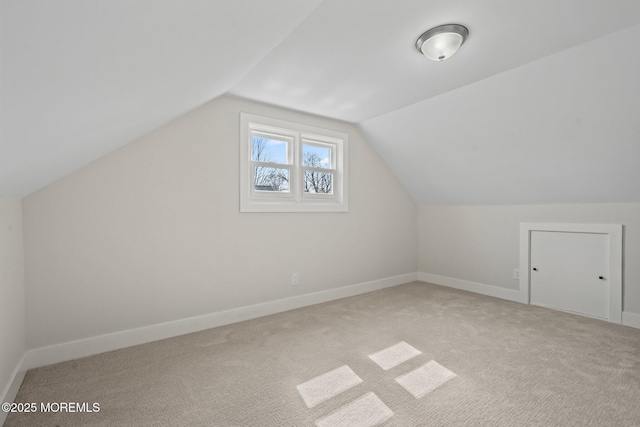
[(318, 182), (316, 157), (271, 179), (268, 150)]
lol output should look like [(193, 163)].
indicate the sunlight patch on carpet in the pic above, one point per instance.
[(425, 379), (326, 386), (394, 355), (366, 411)]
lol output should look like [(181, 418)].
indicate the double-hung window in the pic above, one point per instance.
[(289, 167)]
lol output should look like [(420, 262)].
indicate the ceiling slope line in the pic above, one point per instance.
[(259, 59)]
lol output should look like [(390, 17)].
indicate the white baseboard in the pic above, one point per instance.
[(631, 319), (465, 285), (11, 390), (90, 346), (628, 318)]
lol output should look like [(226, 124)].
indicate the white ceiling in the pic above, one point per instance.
[(563, 129), (81, 78), (356, 59)]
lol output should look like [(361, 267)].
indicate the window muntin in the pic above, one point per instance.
[(289, 167)]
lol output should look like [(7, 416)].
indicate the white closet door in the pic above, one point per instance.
[(569, 271)]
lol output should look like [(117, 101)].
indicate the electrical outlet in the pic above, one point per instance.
[(295, 279), (516, 273)]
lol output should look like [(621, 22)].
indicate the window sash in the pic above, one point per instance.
[(332, 147), (289, 139), (269, 194), (312, 169), (324, 196), (335, 178)]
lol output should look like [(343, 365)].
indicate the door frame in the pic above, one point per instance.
[(615, 259)]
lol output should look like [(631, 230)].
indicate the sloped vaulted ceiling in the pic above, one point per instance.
[(537, 107), (563, 129), (81, 78)]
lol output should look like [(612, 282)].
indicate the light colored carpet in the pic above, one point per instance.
[(516, 365), (425, 379), (326, 386), (393, 356), (367, 411)]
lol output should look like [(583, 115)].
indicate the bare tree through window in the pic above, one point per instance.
[(291, 167), (315, 181), (267, 178)]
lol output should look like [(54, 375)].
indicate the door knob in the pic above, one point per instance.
[(601, 277), (535, 269)]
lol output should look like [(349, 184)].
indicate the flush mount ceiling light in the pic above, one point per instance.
[(442, 42)]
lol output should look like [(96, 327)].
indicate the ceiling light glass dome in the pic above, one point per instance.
[(442, 42)]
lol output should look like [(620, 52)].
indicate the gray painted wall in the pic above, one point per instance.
[(12, 303), (152, 232), (481, 243)]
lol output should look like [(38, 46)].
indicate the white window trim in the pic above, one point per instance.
[(296, 200)]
